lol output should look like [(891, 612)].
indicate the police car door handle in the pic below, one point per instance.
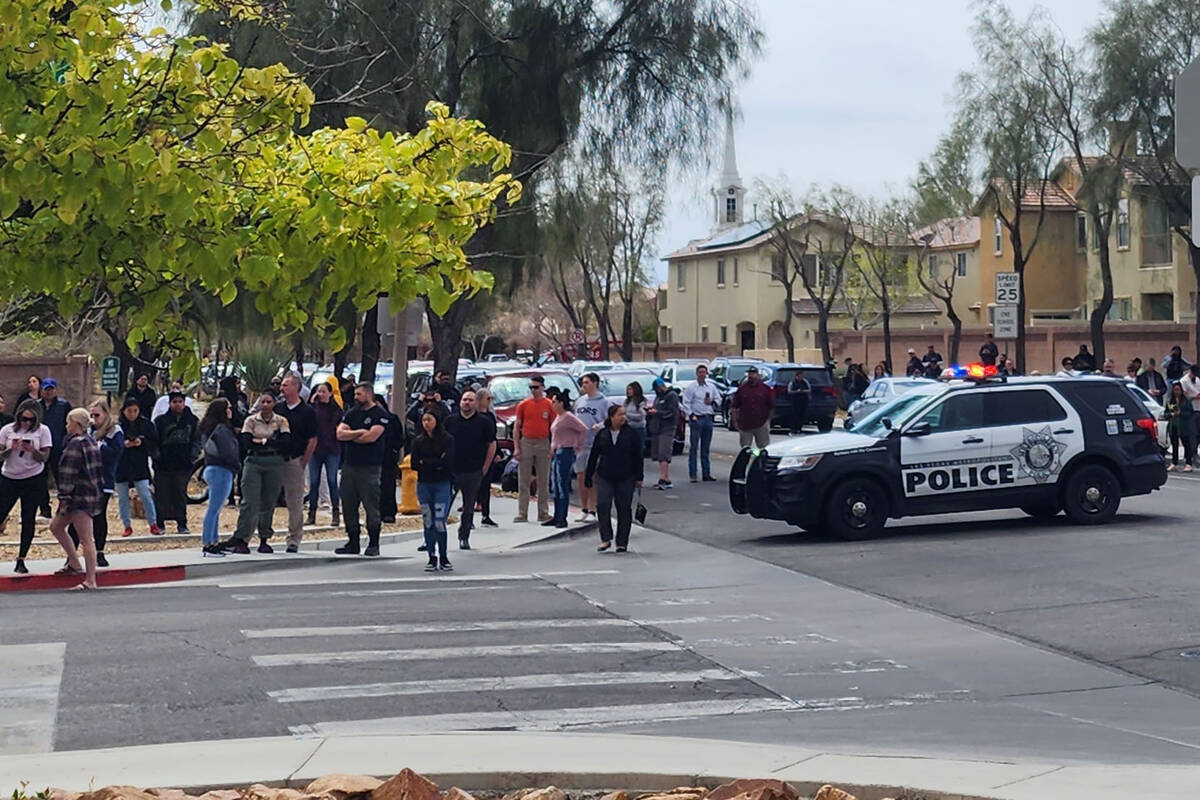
[(972, 440), (1063, 431)]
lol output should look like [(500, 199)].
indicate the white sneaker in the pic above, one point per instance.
[(583, 516)]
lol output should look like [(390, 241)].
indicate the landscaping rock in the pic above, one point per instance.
[(407, 785), (678, 793), (755, 789), (549, 793), (63, 794), (615, 796), (170, 794), (221, 794), (342, 787), (828, 792), (117, 793), (455, 793)]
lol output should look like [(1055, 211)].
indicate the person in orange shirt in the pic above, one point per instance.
[(531, 448)]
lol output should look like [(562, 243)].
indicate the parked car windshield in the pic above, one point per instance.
[(514, 388), (685, 373), (613, 384), (736, 373), (898, 411)]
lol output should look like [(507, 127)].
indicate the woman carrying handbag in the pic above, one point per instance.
[(615, 468)]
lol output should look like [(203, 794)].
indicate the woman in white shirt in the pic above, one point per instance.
[(24, 448)]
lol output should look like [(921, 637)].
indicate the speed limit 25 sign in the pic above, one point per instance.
[(1008, 288)]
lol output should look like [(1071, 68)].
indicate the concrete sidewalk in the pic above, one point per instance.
[(395, 546), (507, 760)]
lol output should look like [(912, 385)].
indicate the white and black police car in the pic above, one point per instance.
[(1044, 445)]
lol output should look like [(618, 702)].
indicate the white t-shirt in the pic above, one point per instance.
[(18, 459), (163, 404)]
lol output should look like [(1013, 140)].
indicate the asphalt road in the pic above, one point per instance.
[(1125, 595)]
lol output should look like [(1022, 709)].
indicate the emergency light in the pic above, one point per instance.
[(971, 372)]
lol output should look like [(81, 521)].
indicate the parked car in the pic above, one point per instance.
[(679, 376), (882, 390), (727, 372), (822, 400), (580, 368), (1158, 411), (895, 407)]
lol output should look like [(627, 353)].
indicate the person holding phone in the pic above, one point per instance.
[(25, 448)]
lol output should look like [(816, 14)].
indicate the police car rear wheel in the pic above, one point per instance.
[(1091, 495), (857, 509)]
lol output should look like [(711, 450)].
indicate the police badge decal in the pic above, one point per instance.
[(1039, 454)]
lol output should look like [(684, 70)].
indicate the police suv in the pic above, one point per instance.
[(1043, 445)]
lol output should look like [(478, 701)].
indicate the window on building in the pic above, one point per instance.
[(933, 265), (731, 209), (1081, 232), (724, 334), (720, 272), (681, 278), (1158, 306), (998, 236), (664, 334), (1123, 223), (704, 333), (779, 271), (960, 264), (735, 272), (663, 294), (1158, 249), (809, 265), (1121, 310)]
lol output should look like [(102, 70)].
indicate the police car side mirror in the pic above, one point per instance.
[(920, 429)]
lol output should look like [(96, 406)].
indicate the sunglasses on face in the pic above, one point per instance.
[(28, 419), (533, 387), (95, 415)]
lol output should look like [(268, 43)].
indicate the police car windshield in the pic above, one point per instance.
[(898, 411)]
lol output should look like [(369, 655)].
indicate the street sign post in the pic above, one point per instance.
[(578, 336), (1004, 322), (1008, 289), (110, 374)]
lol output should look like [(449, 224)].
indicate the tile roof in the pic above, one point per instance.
[(950, 233)]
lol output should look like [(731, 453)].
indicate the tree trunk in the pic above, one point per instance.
[(370, 344), (121, 350), (627, 331), (298, 344), (1098, 316), (787, 326), (346, 316), (447, 333), (956, 336), (886, 308), (823, 332)]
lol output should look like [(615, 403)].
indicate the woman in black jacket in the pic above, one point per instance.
[(133, 470), (432, 454), (615, 468), (222, 460)]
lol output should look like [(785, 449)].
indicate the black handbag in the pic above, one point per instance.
[(639, 513)]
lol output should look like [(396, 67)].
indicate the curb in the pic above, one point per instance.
[(562, 533), (135, 576)]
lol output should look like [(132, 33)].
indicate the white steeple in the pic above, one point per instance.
[(729, 194)]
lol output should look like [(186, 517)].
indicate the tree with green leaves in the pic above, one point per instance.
[(1141, 46), (1014, 118), (946, 184), (151, 167), (634, 83)]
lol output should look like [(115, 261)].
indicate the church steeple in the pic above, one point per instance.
[(729, 194)]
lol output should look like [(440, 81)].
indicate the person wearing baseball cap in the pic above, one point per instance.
[(661, 421), (54, 417), (753, 403), (916, 367)]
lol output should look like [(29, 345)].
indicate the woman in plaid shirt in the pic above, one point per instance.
[(80, 481)]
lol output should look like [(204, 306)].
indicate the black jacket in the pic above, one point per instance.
[(135, 461), (432, 458), (617, 462), (228, 452), (178, 445)]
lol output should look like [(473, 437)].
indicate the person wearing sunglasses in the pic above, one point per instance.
[(24, 448), (111, 440), (531, 448)]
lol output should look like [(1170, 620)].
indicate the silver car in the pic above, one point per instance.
[(882, 390)]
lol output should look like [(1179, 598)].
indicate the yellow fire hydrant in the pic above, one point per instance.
[(408, 488)]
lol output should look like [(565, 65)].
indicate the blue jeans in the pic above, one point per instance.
[(220, 484), (329, 462), (701, 442), (562, 470), (435, 507), (143, 490)]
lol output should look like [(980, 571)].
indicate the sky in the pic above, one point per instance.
[(854, 92)]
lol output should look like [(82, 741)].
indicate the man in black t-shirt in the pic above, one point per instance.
[(988, 351), (362, 432), (143, 394), (302, 421), (474, 448)]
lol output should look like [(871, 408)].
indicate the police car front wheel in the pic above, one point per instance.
[(1091, 495), (856, 509)]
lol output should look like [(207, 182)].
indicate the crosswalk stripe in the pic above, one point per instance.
[(438, 627), (429, 588), (426, 579), (496, 684), (483, 651), (548, 719), (30, 678)]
